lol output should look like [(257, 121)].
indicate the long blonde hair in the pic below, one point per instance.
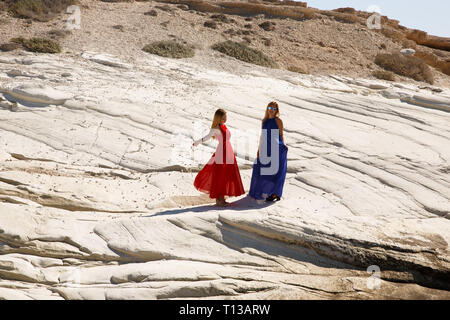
[(271, 104), (218, 115)]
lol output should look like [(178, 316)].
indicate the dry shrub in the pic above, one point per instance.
[(392, 23), (434, 61), (210, 24), (298, 68), (119, 27), (267, 42), (345, 10), (267, 25), (3, 6), (444, 66), (198, 5), (392, 34), (222, 18), (287, 3), (428, 57), (231, 32), (341, 17), (244, 53), (166, 8), (406, 43), (152, 13), (169, 49), (246, 9), (247, 40), (10, 46), (407, 66), (299, 12), (40, 10), (38, 45), (384, 75)]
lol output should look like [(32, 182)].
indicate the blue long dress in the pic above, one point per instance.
[(263, 185)]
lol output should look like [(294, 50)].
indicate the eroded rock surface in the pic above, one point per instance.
[(94, 206)]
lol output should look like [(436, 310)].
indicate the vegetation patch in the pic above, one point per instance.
[(298, 69), (342, 16), (222, 18), (151, 13), (285, 9), (395, 36), (244, 53), (38, 45), (210, 24), (169, 49), (39, 10), (407, 66), (10, 46), (384, 75), (267, 25)]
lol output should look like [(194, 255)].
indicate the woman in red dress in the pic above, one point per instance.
[(220, 176)]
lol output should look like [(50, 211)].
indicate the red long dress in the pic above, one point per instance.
[(220, 176)]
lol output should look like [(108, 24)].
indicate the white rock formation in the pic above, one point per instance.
[(97, 198)]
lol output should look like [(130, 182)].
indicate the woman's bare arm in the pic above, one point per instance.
[(280, 128), (211, 133)]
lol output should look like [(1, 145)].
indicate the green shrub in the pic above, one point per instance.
[(244, 53), (38, 45), (40, 10), (407, 66), (169, 49)]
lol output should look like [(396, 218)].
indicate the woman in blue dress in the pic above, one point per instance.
[(269, 169)]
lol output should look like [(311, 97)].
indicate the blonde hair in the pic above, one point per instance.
[(271, 104), (218, 115)]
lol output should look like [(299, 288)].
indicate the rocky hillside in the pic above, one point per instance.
[(297, 38)]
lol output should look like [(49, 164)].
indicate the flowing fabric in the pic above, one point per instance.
[(220, 176), (264, 184)]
